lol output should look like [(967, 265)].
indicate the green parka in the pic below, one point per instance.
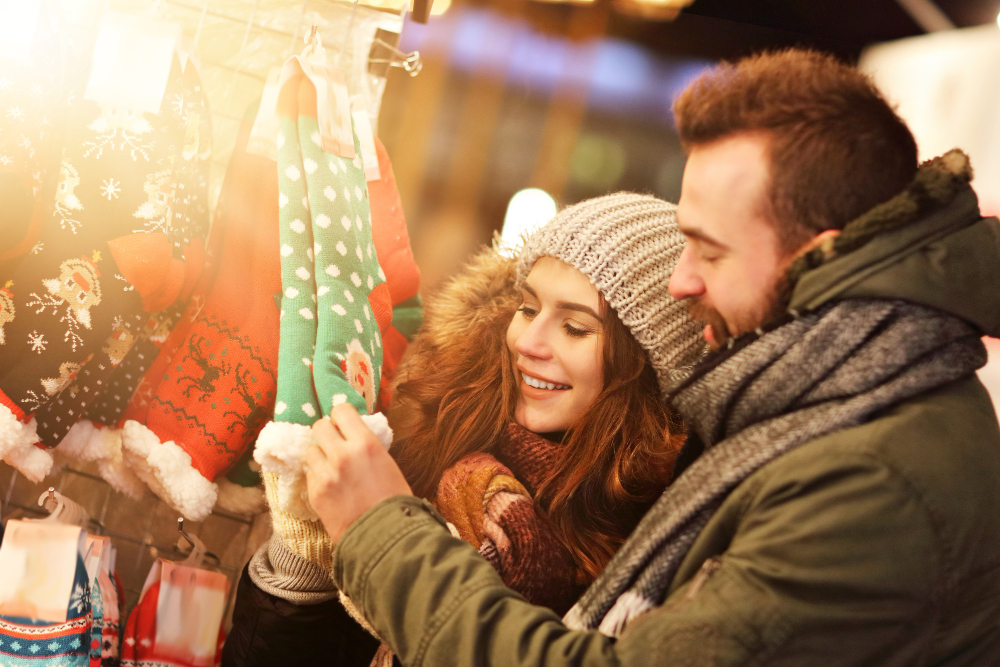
[(878, 544)]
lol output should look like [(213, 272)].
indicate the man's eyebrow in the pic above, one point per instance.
[(699, 235)]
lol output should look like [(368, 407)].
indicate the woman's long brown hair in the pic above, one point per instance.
[(617, 458)]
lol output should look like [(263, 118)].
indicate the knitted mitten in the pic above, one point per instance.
[(97, 627), (139, 648), (218, 387), (139, 633), (110, 629)]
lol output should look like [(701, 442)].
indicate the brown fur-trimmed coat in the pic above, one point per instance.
[(485, 495)]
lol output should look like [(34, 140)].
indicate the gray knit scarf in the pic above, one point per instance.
[(819, 373)]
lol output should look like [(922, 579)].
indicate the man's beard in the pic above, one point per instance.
[(773, 306)]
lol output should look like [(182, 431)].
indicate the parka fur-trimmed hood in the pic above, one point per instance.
[(463, 333), (472, 302)]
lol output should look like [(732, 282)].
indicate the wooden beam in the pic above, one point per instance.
[(421, 10)]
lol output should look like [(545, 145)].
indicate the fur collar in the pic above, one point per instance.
[(937, 183)]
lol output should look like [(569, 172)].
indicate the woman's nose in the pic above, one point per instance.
[(533, 341)]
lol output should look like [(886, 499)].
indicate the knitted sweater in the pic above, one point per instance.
[(489, 501)]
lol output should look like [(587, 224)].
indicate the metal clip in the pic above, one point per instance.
[(411, 63)]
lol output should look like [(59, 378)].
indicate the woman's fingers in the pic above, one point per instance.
[(349, 471), (350, 424), (327, 437)]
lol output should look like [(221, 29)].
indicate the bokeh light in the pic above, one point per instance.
[(528, 210)]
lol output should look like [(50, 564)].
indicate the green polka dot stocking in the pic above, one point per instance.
[(353, 300), (296, 399)]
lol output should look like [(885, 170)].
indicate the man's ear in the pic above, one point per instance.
[(822, 240)]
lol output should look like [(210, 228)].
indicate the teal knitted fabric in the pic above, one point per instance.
[(296, 398)]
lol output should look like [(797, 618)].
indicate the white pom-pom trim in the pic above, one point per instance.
[(87, 441), (281, 449), (17, 447), (239, 499), (167, 470)]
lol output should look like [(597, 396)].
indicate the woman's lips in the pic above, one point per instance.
[(538, 394)]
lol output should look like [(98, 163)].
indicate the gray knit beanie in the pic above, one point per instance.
[(627, 245)]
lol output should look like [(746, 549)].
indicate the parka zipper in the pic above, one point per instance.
[(708, 568)]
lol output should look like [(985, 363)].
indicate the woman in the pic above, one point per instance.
[(530, 409), (584, 311)]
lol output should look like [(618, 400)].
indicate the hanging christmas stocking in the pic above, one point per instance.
[(352, 307), (392, 247), (217, 390), (87, 280), (66, 644), (109, 380)]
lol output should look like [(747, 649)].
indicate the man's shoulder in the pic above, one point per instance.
[(955, 423), (937, 454)]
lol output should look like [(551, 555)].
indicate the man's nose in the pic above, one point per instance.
[(685, 282)]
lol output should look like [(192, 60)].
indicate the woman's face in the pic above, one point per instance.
[(556, 342)]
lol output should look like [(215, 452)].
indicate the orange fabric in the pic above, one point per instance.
[(147, 262), (381, 305), (389, 233)]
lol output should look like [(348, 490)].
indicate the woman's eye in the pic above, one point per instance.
[(576, 332), (527, 311)]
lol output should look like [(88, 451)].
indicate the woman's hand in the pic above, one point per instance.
[(349, 471)]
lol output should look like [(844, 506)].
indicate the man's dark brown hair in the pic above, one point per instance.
[(836, 146)]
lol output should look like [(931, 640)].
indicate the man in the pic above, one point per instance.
[(838, 500)]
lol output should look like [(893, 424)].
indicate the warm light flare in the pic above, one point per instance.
[(528, 210)]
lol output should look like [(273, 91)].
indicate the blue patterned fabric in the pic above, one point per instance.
[(26, 643), (97, 627)]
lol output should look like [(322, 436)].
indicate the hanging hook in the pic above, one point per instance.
[(62, 509), (198, 554)]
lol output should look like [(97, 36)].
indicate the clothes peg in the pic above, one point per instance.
[(314, 45)]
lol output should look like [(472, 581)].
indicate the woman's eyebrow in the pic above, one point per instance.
[(569, 305), (564, 305)]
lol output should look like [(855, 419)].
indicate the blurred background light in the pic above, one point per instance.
[(528, 210), (598, 161), (440, 7), (17, 29)]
